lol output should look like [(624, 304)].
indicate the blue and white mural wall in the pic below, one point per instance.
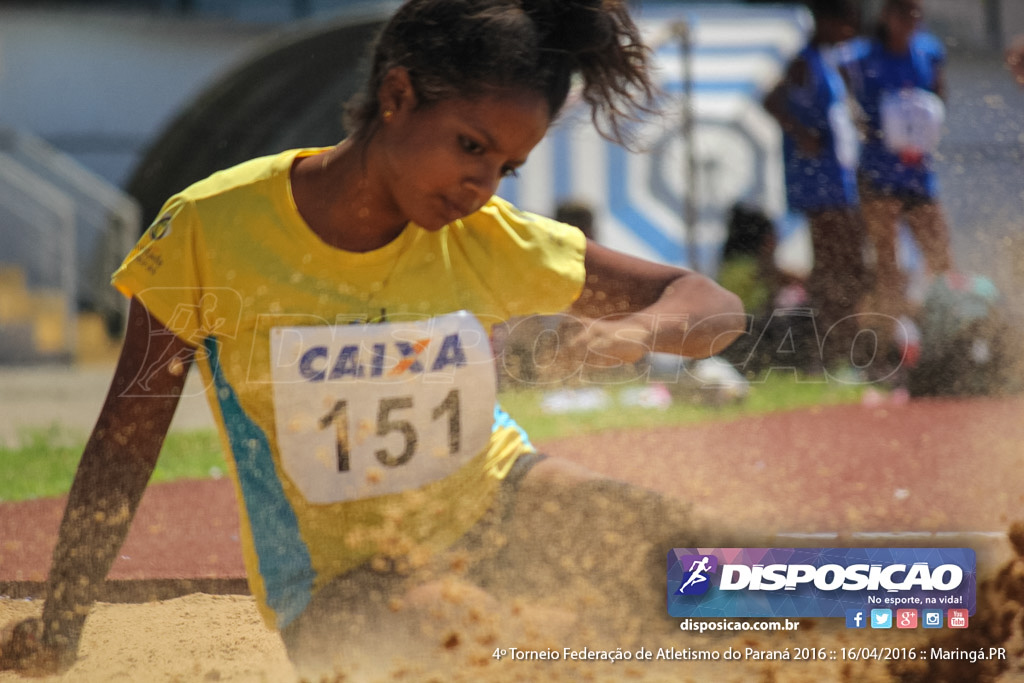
[(644, 201)]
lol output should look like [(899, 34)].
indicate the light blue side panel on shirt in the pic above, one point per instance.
[(284, 561), (503, 419)]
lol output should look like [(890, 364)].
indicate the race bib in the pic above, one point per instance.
[(367, 410), (912, 120)]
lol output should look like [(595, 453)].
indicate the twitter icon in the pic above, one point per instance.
[(881, 618)]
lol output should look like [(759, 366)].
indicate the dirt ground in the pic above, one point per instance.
[(942, 472)]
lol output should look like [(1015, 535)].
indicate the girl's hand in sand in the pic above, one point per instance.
[(22, 649)]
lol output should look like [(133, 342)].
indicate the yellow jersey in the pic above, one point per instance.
[(303, 406)]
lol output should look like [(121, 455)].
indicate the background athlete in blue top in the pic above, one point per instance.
[(898, 185), (820, 150)]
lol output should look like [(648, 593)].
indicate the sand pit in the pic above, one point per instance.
[(220, 638)]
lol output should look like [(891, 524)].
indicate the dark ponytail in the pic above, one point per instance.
[(467, 48)]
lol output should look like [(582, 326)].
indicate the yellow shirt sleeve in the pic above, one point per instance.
[(162, 273), (537, 263)]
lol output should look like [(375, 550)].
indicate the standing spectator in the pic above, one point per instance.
[(897, 78), (781, 333), (820, 149)]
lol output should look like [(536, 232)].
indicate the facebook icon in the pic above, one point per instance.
[(855, 618)]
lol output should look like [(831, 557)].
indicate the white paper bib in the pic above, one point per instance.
[(912, 120), (366, 410)]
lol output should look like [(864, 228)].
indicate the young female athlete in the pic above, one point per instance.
[(820, 149), (337, 302), (898, 79)]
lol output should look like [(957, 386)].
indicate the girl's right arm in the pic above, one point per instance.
[(115, 467)]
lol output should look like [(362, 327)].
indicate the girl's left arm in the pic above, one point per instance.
[(635, 306)]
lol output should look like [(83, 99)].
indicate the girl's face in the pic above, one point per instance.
[(444, 161), (837, 29), (902, 17)]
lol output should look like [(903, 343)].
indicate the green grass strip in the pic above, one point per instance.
[(43, 463), (774, 393)]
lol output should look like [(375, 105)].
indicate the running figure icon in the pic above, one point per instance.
[(697, 570)]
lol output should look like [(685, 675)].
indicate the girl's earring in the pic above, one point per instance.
[(387, 114)]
